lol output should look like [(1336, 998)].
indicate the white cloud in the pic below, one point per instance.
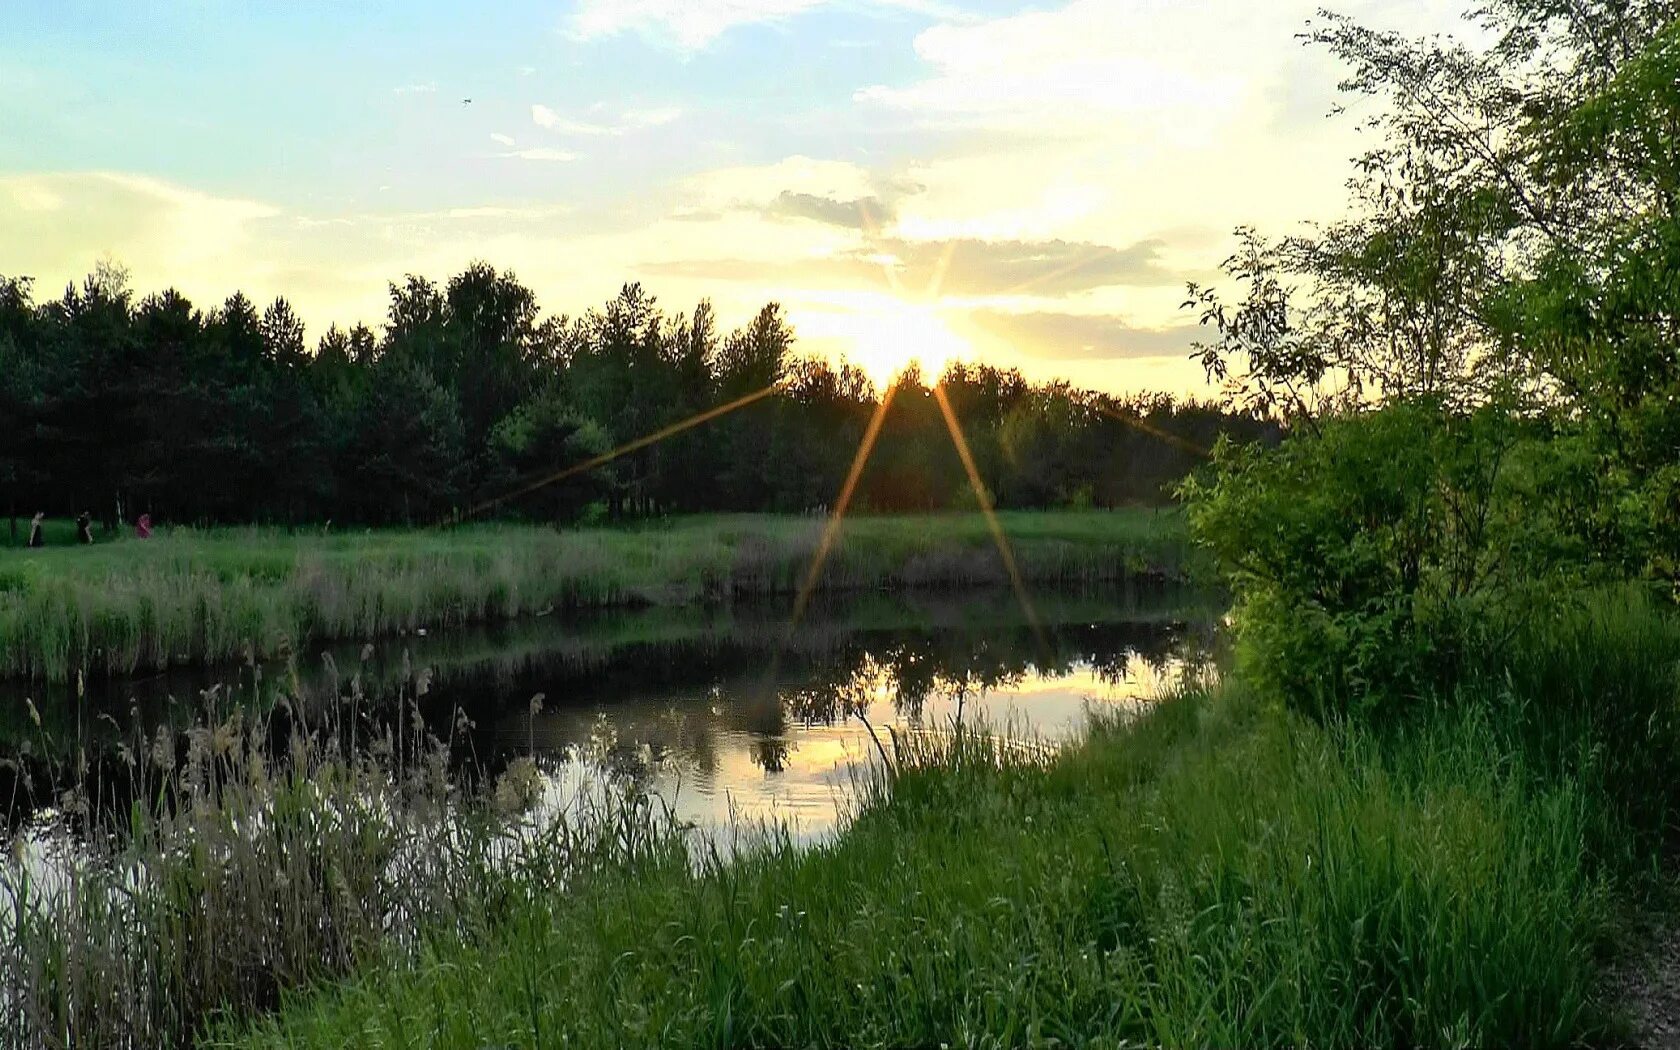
[(415, 89), (631, 120), (691, 25), (763, 184), (1116, 121), (502, 140), (542, 153), (651, 118), (1159, 72), (333, 267), (1150, 63), (66, 216)]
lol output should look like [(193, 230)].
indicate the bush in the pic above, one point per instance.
[(1373, 554)]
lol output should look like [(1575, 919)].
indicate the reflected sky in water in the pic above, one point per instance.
[(720, 710), (796, 776)]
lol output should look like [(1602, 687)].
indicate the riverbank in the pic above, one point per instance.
[(1210, 871), (1213, 873), (192, 597)]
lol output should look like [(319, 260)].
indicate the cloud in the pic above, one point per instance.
[(651, 118), (1045, 269), (863, 213), (692, 25), (415, 89), (1042, 269), (395, 219), (72, 219), (1060, 71), (631, 120), (541, 153), (831, 193), (758, 186), (500, 139), (1147, 71), (688, 24), (1086, 337), (334, 265)]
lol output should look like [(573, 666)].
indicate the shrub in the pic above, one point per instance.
[(1373, 554)]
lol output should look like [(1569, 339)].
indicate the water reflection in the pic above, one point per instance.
[(722, 761), (719, 710)]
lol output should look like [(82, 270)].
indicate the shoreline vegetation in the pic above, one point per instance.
[(1216, 870), (223, 595), (1430, 800)]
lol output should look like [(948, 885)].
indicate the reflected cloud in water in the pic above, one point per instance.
[(717, 710)]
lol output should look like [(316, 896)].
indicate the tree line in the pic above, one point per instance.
[(468, 396)]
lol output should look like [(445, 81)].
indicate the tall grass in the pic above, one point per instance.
[(207, 597), (1208, 872), (1212, 873), (1206, 877), (251, 861)]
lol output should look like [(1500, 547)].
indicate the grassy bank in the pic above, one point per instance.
[(187, 596), (1213, 873)]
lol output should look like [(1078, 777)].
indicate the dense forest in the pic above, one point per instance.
[(121, 406)]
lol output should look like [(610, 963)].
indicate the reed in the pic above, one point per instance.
[(1211, 873), (206, 597), (249, 861)]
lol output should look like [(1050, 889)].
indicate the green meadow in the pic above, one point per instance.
[(190, 596)]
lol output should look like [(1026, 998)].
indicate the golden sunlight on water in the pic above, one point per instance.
[(716, 774)]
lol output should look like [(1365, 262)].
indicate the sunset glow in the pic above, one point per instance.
[(1067, 162), (886, 342)]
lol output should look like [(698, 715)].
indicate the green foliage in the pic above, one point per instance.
[(1205, 874), (405, 445), (1371, 557), (539, 439), (188, 596), (1587, 694), (225, 415), (1480, 366)]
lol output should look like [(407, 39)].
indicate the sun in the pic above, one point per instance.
[(886, 339)]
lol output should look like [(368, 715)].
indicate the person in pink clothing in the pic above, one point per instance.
[(143, 527)]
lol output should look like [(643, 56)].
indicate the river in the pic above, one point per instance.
[(725, 712)]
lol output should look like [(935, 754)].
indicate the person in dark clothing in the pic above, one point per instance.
[(36, 539), (84, 527)]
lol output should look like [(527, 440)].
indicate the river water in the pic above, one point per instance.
[(726, 712)]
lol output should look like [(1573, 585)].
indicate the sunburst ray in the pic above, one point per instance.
[(984, 499), (1156, 432), (842, 504)]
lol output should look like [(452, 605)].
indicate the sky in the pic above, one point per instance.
[(1025, 184)]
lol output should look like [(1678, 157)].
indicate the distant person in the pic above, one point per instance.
[(84, 527), (143, 527), (37, 537)]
